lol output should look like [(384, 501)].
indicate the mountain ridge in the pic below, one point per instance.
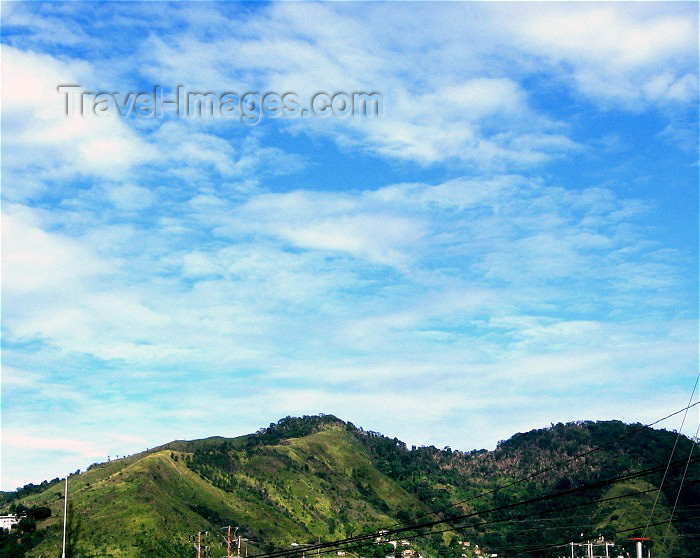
[(311, 478)]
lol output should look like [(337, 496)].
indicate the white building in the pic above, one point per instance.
[(7, 521)]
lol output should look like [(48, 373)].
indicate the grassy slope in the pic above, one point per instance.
[(146, 505), (140, 509), (614, 515)]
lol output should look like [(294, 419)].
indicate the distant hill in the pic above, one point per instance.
[(318, 478)]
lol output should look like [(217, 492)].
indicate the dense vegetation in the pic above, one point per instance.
[(23, 536), (306, 479), (26, 490), (486, 480)]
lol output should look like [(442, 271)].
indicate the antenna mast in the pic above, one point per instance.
[(65, 520)]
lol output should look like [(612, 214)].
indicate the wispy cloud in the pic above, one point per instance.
[(617, 54), (41, 144), (389, 265)]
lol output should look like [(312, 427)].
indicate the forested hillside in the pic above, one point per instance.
[(311, 480)]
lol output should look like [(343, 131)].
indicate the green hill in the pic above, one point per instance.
[(310, 479)]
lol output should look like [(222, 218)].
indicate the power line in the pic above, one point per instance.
[(402, 529), (608, 534), (554, 466), (550, 496), (673, 450), (564, 508), (599, 484), (489, 522), (560, 463), (678, 495), (336, 547)]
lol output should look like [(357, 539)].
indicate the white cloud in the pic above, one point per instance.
[(84, 449), (446, 90), (469, 111), (40, 140), (483, 97), (628, 54), (44, 29), (334, 223), (35, 261), (404, 265), (475, 110), (447, 117)]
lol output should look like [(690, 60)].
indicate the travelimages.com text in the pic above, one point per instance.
[(249, 108)]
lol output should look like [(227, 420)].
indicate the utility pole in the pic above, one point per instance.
[(65, 517), (202, 551), (230, 536)]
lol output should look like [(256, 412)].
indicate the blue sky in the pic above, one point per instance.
[(513, 242)]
